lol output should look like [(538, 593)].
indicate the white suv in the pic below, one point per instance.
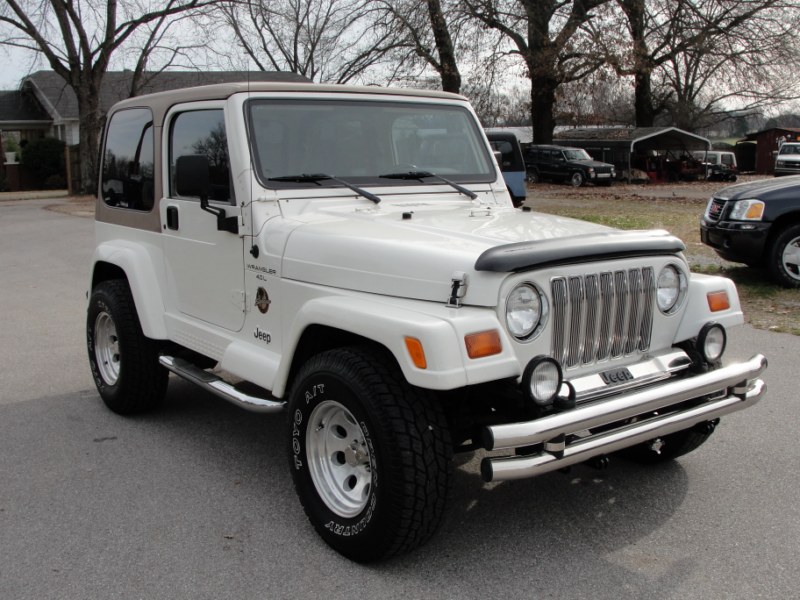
[(351, 257), (787, 162)]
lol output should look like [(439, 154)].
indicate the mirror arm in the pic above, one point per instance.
[(224, 222)]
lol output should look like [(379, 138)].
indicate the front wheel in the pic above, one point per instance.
[(123, 361), (577, 179), (370, 455), (784, 257)]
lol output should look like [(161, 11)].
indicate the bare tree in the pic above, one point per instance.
[(78, 39), (334, 41), (548, 36), (678, 49), (744, 68), (425, 30)]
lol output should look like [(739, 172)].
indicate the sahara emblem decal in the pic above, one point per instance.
[(262, 300)]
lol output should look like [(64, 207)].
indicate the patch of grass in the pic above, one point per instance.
[(618, 221)]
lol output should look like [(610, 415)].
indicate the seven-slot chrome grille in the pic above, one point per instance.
[(599, 316)]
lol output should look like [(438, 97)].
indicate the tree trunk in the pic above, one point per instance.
[(451, 78), (643, 99), (643, 91), (91, 128), (543, 100)]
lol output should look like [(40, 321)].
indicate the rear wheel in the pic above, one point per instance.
[(370, 455), (123, 361)]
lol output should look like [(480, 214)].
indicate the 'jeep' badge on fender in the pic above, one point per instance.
[(262, 300)]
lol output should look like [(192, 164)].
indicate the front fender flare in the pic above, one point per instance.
[(388, 323)]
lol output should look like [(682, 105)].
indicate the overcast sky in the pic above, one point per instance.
[(16, 64)]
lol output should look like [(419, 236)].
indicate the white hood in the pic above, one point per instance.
[(412, 251)]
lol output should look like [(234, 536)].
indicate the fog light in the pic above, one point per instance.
[(711, 342), (542, 380)]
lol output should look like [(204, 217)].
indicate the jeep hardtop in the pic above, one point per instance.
[(350, 257)]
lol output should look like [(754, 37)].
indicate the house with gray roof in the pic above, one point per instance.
[(45, 105)]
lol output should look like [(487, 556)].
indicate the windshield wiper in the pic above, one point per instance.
[(420, 175), (317, 177)]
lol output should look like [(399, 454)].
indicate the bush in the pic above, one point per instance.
[(44, 158)]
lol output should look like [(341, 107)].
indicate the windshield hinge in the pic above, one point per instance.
[(458, 289)]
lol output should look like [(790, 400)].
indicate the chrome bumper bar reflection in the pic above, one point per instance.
[(737, 383)]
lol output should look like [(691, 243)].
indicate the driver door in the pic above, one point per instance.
[(204, 266)]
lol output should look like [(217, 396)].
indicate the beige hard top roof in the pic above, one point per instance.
[(161, 101)]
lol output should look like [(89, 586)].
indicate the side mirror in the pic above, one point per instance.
[(192, 176)]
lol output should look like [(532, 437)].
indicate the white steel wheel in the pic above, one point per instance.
[(106, 348), (339, 459)]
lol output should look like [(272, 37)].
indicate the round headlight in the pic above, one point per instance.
[(523, 311), (542, 380), (711, 342), (670, 288)]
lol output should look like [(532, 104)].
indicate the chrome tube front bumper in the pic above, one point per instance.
[(567, 440)]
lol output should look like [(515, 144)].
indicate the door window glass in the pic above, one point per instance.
[(202, 132)]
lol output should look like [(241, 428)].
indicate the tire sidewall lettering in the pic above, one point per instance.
[(310, 396)]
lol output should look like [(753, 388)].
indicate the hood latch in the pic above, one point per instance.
[(458, 289)]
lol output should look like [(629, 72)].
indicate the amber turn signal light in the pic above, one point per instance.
[(483, 343), (417, 352), (718, 301)]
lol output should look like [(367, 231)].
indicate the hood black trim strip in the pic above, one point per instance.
[(524, 256)]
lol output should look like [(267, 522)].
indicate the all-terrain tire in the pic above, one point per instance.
[(123, 361), (783, 258), (370, 455)]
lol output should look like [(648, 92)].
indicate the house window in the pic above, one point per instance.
[(127, 173)]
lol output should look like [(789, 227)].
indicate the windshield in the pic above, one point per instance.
[(577, 154), (790, 149), (360, 141)]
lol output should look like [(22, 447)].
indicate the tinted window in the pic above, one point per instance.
[(202, 132), (127, 174)]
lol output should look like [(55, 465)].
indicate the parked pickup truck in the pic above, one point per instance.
[(350, 257)]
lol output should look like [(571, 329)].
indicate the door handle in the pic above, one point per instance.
[(172, 218)]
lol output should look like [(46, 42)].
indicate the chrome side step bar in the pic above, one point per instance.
[(219, 387)]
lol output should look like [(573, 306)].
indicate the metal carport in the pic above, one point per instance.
[(618, 145)]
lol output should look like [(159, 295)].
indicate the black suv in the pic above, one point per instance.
[(757, 224), (566, 164)]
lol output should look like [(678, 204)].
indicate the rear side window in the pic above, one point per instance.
[(202, 132), (127, 173)]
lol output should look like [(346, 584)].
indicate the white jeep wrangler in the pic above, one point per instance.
[(351, 256)]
